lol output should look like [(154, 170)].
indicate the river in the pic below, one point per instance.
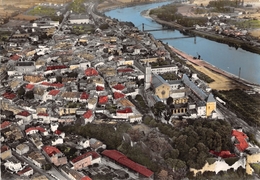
[(220, 55)]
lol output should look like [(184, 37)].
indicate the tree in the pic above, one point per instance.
[(158, 108), (21, 91), (169, 101), (59, 79), (29, 95)]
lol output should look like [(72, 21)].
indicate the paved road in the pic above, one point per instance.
[(35, 168)]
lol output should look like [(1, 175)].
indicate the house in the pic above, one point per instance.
[(13, 164), (124, 113), (92, 102), (81, 161), (84, 143), (88, 116), (91, 72), (25, 115), (5, 152), (27, 171), (53, 94), (96, 144), (22, 149), (83, 97), (86, 159), (240, 140), (31, 130), (36, 140), (10, 96), (55, 155), (56, 140), (122, 160), (5, 124), (37, 158), (25, 67), (73, 174)]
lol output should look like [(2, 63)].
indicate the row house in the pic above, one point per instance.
[(86, 159)]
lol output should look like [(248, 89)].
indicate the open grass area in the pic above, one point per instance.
[(4, 35), (42, 11), (255, 24)]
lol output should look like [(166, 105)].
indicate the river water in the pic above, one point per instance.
[(220, 55)]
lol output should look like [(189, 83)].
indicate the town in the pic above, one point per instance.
[(91, 69)]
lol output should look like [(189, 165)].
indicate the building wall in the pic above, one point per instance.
[(165, 69), (210, 106), (254, 158), (82, 163), (180, 100)]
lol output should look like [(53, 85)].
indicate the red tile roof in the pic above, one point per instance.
[(24, 113), (91, 72), (126, 110), (119, 87), (86, 178), (84, 95), (5, 124), (4, 148), (94, 154), (9, 95), (118, 95), (100, 88), (79, 158), (58, 132), (54, 92), (125, 70), (56, 67), (122, 159), (24, 171), (43, 114), (31, 129), (42, 130), (29, 86), (58, 85), (15, 57), (50, 150), (88, 114), (223, 154), (242, 139), (102, 99)]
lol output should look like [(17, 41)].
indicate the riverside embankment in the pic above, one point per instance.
[(234, 42)]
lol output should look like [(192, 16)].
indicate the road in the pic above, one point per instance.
[(237, 122), (35, 168)]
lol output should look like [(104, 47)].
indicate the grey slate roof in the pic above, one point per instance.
[(195, 89), (211, 98), (157, 81)]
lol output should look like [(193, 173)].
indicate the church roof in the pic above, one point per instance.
[(157, 81), (211, 98)]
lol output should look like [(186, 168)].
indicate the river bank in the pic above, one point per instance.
[(233, 42)]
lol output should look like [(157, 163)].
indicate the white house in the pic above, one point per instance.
[(22, 149), (13, 165), (84, 143), (161, 70), (57, 140), (25, 115)]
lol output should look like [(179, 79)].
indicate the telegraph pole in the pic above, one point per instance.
[(143, 27)]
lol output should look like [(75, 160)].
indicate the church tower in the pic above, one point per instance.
[(148, 77)]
